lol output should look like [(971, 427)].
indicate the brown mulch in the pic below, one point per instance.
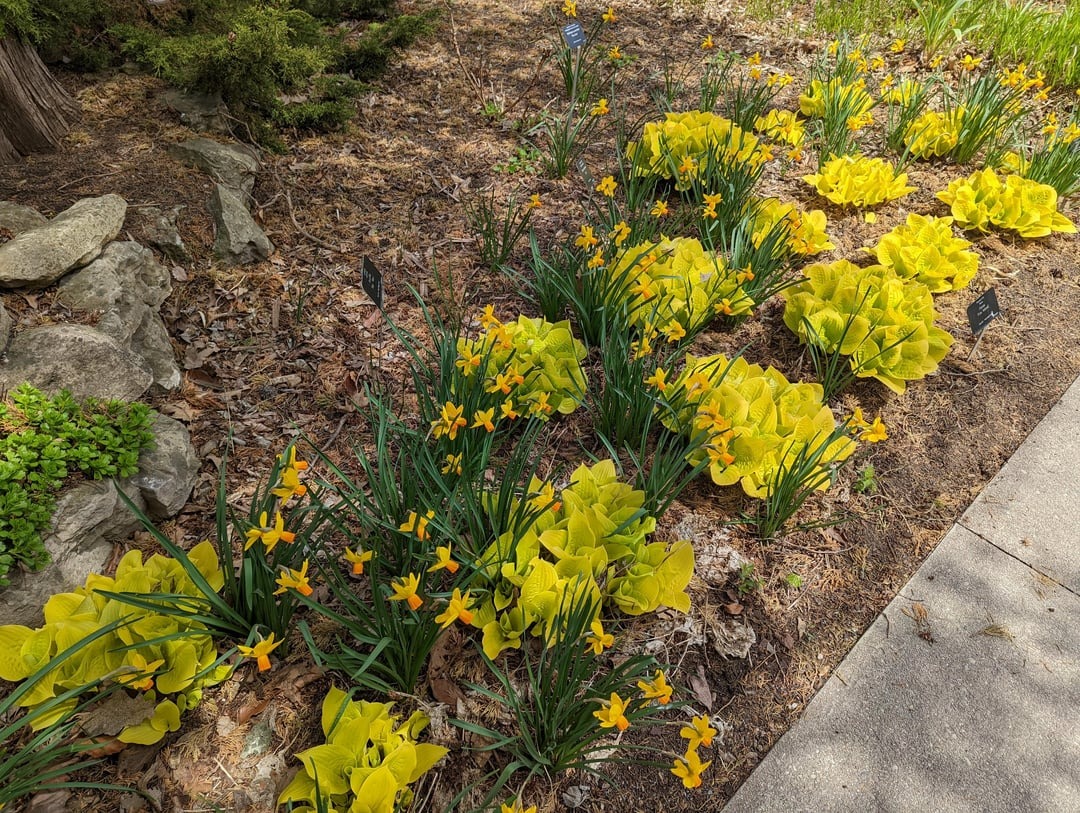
[(287, 345)]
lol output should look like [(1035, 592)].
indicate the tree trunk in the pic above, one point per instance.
[(35, 111)]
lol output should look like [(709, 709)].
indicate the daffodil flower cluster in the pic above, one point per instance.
[(368, 762), (854, 180), (752, 421), (884, 323), (689, 767), (590, 539), (934, 134), (677, 287), (684, 145), (166, 659), (530, 366), (984, 199), (924, 249)]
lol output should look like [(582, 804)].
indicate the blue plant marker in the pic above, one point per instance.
[(982, 311), (371, 282), (574, 35)]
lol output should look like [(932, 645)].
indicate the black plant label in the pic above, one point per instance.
[(982, 311), (574, 35), (371, 281)]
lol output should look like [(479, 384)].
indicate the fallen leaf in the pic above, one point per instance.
[(734, 608), (699, 687)]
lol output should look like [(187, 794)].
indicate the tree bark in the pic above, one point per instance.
[(35, 111)]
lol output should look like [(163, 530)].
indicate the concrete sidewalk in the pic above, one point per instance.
[(964, 695)]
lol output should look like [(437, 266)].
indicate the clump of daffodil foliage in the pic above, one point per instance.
[(855, 180), (536, 362), (782, 125), (677, 286), (589, 541), (805, 229), (984, 199), (752, 421), (369, 759), (934, 134), (683, 146), (884, 323), (836, 93), (164, 660), (43, 440), (924, 249)]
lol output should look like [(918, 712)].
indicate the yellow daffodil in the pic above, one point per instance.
[(295, 579), (269, 535), (292, 462), (469, 361), (707, 43), (586, 239), (609, 16), (534, 201), (607, 186), (405, 589), (674, 331), (540, 405), (452, 464), (260, 652), (613, 714), (507, 409), (834, 46), (656, 689), (289, 484), (599, 640), (755, 59), (795, 154), (876, 432), (357, 559), (456, 610), (619, 233), (450, 421), (545, 498), (754, 73), (689, 769), (484, 418), (970, 63), (597, 260), (417, 525), (569, 8), (659, 209), (515, 807), (898, 46), (614, 54), (488, 319), (600, 108), (688, 165), (658, 379), (877, 63), (443, 560), (699, 732)]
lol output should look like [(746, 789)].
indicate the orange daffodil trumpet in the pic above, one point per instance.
[(268, 534), (260, 652)]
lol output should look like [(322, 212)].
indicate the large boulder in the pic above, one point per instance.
[(167, 472), (239, 239), (199, 111), (126, 285), (6, 324), (74, 357), (39, 257), (229, 164), (15, 219)]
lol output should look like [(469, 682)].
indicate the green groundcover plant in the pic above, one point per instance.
[(45, 440)]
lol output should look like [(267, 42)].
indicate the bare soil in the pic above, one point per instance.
[(286, 345)]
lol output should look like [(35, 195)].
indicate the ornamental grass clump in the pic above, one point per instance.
[(855, 180), (865, 323), (368, 762), (984, 200), (678, 287), (683, 146), (924, 249), (590, 540), (164, 661), (750, 422)]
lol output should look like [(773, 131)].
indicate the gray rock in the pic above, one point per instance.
[(16, 219), (199, 111), (126, 285), (39, 257), (163, 235), (167, 472), (239, 239), (6, 324), (75, 357), (229, 164), (86, 521)]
